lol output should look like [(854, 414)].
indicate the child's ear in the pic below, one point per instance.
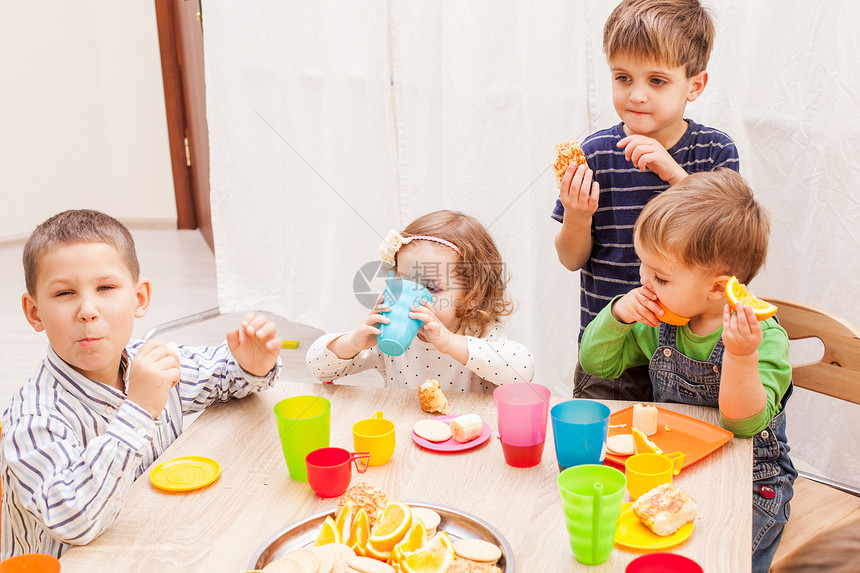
[(697, 85), (144, 292), (31, 311), (718, 288)]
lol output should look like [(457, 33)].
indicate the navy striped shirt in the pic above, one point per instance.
[(71, 447), (613, 267)]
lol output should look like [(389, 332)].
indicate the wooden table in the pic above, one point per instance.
[(220, 527)]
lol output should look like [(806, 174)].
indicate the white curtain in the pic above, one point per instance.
[(333, 121)]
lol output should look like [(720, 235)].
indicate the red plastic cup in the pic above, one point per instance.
[(663, 563), (31, 563), (330, 469), (522, 415)]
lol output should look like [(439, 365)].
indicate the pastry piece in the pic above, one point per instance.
[(371, 498), (645, 419), (432, 430), (567, 153), (466, 428), (477, 550), (620, 444), (665, 509), (431, 397)]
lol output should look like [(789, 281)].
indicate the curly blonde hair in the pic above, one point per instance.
[(479, 267)]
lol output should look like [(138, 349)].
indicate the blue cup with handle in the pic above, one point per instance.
[(579, 429), (400, 295)]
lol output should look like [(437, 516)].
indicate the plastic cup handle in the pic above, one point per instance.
[(677, 459), (378, 415), (595, 520), (357, 458)]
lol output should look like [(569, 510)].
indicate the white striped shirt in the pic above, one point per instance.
[(71, 447)]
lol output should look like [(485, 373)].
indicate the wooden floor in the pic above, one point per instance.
[(182, 270)]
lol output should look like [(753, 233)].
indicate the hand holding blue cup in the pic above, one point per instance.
[(400, 295)]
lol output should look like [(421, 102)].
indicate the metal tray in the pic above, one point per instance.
[(458, 525)]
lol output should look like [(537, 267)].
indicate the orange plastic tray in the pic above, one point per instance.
[(690, 435)]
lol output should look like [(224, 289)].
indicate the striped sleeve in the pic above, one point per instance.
[(75, 489), (211, 374)]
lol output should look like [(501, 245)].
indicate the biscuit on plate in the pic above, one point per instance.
[(432, 430)]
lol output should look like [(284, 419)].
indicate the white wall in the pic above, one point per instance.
[(82, 119)]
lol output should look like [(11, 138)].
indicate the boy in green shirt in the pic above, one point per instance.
[(691, 239)]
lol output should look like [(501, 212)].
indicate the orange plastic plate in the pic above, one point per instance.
[(686, 434)]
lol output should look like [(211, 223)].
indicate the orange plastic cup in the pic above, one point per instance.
[(31, 563)]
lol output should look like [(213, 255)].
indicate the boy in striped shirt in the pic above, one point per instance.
[(657, 51), (101, 408)]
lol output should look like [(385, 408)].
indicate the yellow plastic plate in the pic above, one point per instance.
[(634, 534), (183, 474)]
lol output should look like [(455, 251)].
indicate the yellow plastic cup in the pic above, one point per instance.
[(644, 472), (374, 435)]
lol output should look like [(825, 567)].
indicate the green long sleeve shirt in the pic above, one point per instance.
[(610, 347)]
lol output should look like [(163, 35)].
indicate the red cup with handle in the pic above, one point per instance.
[(330, 469)]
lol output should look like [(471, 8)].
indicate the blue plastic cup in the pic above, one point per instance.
[(579, 429), (400, 295)]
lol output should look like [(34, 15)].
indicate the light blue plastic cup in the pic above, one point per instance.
[(400, 295), (579, 429)]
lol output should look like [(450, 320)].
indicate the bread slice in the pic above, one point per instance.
[(665, 509), (645, 418)]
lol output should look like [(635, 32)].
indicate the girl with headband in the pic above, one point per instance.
[(461, 343)]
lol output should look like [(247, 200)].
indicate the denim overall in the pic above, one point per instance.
[(678, 378)]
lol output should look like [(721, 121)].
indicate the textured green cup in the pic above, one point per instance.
[(591, 498), (304, 424)]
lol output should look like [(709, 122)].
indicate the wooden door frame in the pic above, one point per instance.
[(171, 72)]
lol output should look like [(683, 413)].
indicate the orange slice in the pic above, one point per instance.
[(371, 551), (642, 445), (391, 527), (360, 532), (343, 521), (670, 317), (329, 533), (737, 292), (435, 556), (412, 541)]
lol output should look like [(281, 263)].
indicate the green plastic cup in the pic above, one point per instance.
[(304, 424), (591, 498)]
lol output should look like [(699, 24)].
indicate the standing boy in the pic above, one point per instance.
[(99, 408), (691, 240), (657, 51)]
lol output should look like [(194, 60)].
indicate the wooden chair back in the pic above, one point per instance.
[(837, 374)]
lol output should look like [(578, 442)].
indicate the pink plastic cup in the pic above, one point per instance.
[(330, 469), (522, 412)]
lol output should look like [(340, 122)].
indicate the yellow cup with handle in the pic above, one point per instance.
[(374, 435), (644, 472)]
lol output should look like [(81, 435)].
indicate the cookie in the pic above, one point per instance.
[(477, 550), (430, 518), (298, 561), (621, 444), (432, 430), (368, 565)]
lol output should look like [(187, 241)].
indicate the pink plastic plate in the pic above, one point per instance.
[(452, 445)]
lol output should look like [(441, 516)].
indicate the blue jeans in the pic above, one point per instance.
[(679, 378)]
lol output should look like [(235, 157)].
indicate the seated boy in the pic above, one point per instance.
[(691, 239), (100, 408), (658, 52)]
